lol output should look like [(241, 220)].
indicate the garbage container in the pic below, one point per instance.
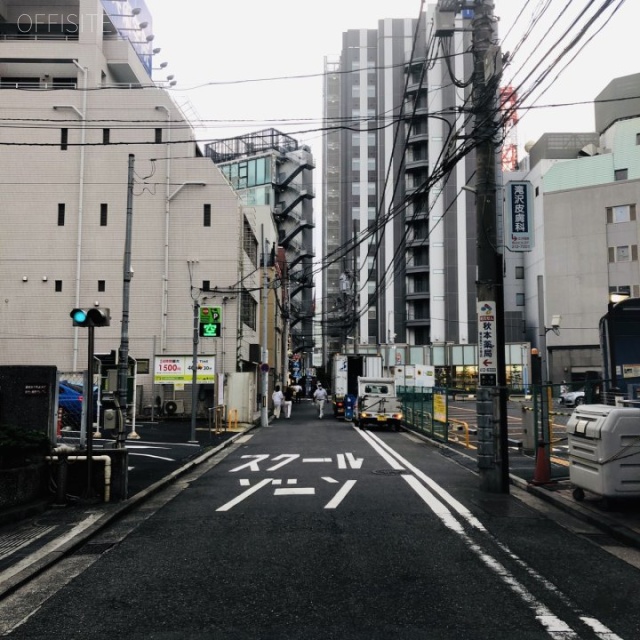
[(604, 451)]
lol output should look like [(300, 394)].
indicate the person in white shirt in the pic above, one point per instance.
[(320, 396), (278, 400)]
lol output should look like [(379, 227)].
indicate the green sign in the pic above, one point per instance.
[(210, 322)]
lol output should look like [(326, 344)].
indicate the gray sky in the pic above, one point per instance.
[(222, 42)]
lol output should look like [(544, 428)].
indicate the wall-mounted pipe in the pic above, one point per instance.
[(75, 458)]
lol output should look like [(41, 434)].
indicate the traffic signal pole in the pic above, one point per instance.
[(88, 394)]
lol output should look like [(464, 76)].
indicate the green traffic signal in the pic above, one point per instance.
[(90, 317)]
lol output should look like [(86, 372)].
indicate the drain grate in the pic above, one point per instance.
[(14, 541), (390, 472)]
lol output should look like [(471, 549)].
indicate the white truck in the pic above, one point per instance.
[(378, 403), (344, 380)]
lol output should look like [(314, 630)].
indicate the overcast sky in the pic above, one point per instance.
[(234, 42)]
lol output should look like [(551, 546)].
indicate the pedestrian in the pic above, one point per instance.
[(278, 399), (320, 396), (288, 401), (297, 389)]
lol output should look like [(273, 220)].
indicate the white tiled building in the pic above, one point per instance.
[(78, 99)]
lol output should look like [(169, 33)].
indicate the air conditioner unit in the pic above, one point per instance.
[(174, 407)]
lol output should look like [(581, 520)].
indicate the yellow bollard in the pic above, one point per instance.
[(232, 420)]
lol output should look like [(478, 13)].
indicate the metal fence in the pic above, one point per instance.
[(426, 410)]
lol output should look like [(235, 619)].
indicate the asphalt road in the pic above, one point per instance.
[(313, 529)]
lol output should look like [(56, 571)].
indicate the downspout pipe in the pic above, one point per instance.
[(83, 138), (167, 218)]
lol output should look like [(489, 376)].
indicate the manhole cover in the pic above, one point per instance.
[(390, 472)]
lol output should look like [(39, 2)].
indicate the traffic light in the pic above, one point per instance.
[(210, 322), (90, 317)]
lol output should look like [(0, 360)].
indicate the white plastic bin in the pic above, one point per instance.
[(604, 451)]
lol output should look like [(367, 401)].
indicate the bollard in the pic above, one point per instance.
[(542, 473)]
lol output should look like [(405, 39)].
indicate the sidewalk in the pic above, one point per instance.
[(29, 547)]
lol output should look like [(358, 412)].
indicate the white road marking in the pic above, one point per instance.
[(253, 465), (340, 496), (148, 455), (292, 481), (301, 491), (286, 457), (316, 459), (245, 482), (342, 463), (277, 481), (242, 496), (355, 463), (330, 480), (554, 626)]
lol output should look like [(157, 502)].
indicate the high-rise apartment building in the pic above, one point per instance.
[(399, 209)]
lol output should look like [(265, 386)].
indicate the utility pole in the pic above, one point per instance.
[(493, 454), (123, 353), (194, 370), (264, 365)]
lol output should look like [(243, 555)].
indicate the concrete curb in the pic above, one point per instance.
[(111, 513)]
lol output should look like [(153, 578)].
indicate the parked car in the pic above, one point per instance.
[(572, 398), (70, 398)]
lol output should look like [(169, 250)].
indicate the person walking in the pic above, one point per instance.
[(278, 399), (288, 401), (320, 396), (297, 389)]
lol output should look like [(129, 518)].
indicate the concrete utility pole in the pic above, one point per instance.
[(264, 366), (123, 353), (493, 457)]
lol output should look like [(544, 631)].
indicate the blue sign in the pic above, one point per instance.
[(519, 216)]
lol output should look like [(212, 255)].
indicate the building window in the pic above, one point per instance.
[(519, 273), (158, 136), (371, 91), (355, 164), (248, 307), (355, 139), (61, 210), (106, 136), (371, 164), (621, 213), (621, 174), (64, 139), (625, 253), (104, 208), (519, 299), (371, 139), (355, 91), (58, 287), (355, 188), (207, 215), (102, 285)]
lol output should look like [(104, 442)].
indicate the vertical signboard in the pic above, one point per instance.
[(519, 216), (487, 362)]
